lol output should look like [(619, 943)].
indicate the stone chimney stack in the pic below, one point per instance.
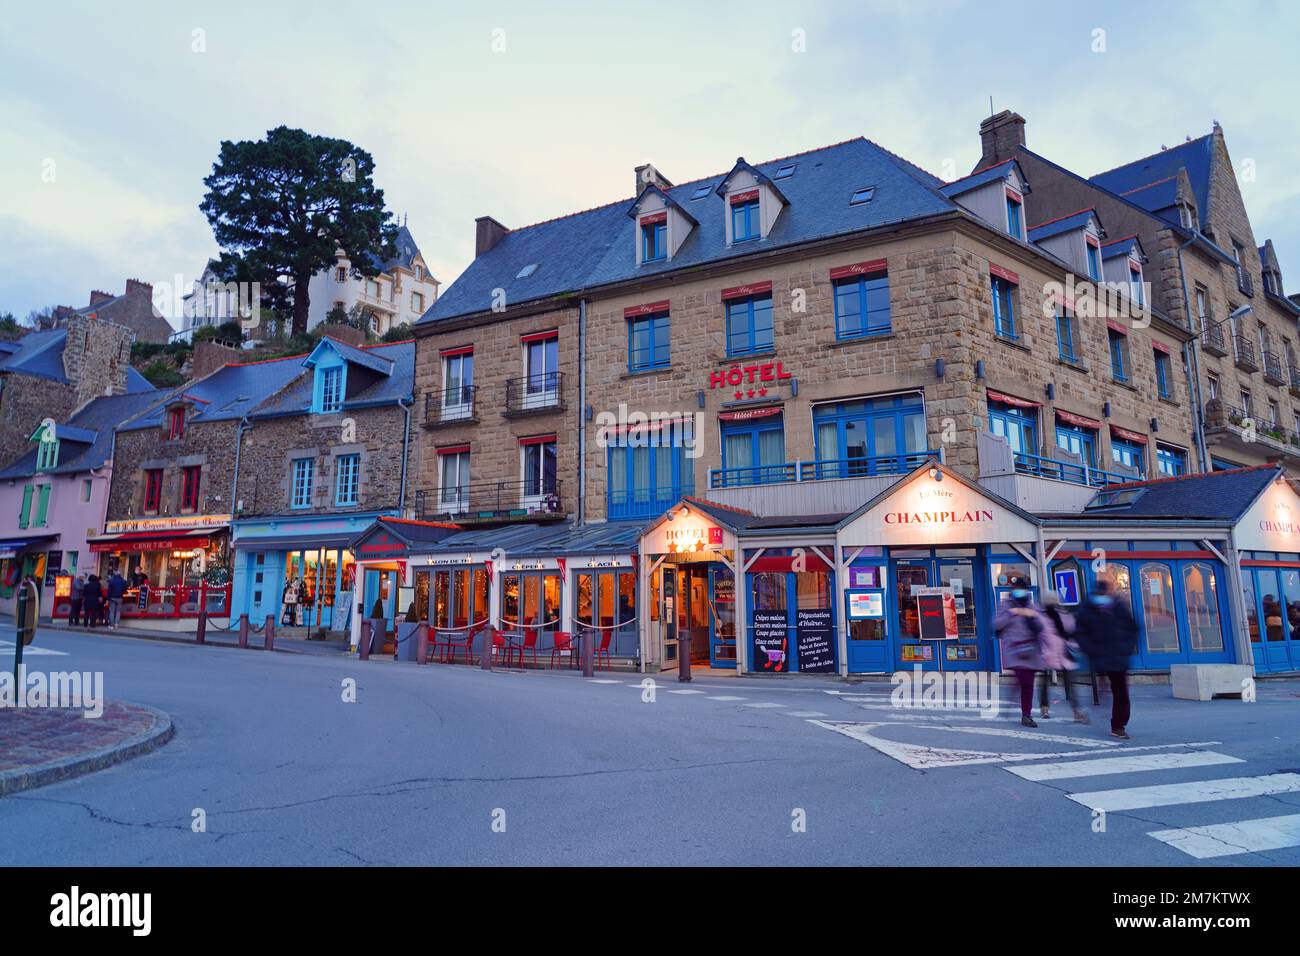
[(487, 233), (96, 357), (1000, 136), (647, 175), (135, 285), (97, 297)]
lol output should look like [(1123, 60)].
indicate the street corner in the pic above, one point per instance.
[(43, 745)]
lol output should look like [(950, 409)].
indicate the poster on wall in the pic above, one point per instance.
[(770, 642), (813, 634), (936, 611), (1067, 585), (724, 588), (866, 605), (918, 652)]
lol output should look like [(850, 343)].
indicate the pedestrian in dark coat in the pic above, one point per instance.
[(91, 596), (1020, 626), (1060, 654), (78, 599), (1107, 633)]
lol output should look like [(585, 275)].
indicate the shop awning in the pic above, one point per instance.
[(1079, 420), (137, 541), (1012, 400), (1127, 435), (12, 547), (295, 542), (747, 414)]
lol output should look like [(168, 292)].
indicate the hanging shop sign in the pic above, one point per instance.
[(177, 523), (771, 642), (813, 635), (141, 545), (1272, 523), (685, 533), (724, 588)]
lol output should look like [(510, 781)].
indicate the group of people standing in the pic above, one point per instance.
[(1048, 638), (95, 601)]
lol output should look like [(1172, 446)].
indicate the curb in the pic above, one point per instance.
[(170, 637), (163, 730)]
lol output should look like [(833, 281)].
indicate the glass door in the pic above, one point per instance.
[(965, 653), (910, 574), (722, 617)]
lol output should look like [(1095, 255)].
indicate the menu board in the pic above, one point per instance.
[(770, 642), (814, 634), (724, 588)]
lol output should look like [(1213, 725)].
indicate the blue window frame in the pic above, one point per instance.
[(753, 453), (647, 342), (347, 485), (1094, 262), (1080, 441), (654, 241), (862, 306), (749, 325), (650, 473), (1019, 426), (1004, 307), (1170, 462), (1135, 282), (1118, 355), (1131, 454), (1164, 374), (1013, 218), (875, 436), (744, 221), (1065, 345), (331, 389), (300, 489)]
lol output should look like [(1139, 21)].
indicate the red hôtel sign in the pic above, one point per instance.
[(749, 379)]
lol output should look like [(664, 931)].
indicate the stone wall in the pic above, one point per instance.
[(210, 445)]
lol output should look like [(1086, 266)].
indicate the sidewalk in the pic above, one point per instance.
[(216, 637), (46, 744)]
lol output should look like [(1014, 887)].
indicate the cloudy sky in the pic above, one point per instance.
[(111, 115)]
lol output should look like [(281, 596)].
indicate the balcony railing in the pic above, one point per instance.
[(821, 470), (450, 406), (1273, 369), (492, 500), (1221, 415), (1078, 474), (1294, 373), (1245, 284), (543, 392), (645, 502), (1212, 340), (1245, 354)]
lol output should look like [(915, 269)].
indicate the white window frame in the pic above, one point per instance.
[(460, 405), (458, 500)]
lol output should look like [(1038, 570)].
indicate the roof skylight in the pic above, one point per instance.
[(862, 195), (527, 270), (701, 191)]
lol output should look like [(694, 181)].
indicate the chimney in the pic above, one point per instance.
[(97, 297), (647, 175), (135, 285), (1000, 136), (487, 233)]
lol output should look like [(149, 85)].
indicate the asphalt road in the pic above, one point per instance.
[(452, 765)]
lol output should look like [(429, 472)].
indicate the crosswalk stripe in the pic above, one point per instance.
[(1198, 791), (601, 681), (686, 692), (1229, 839), (724, 697), (805, 713), (1108, 765), (765, 704)]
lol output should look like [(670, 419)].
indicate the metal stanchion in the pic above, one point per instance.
[(243, 630), (489, 645), (684, 655), (364, 647), (269, 645)]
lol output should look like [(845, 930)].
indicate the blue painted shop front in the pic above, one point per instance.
[(271, 552)]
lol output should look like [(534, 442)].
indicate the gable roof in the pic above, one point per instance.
[(407, 252), (595, 248), (982, 177), (1122, 247), (91, 432), (226, 394), (1067, 223), (947, 473), (39, 354), (758, 174), (394, 361), (1195, 156), (634, 208), (366, 358)]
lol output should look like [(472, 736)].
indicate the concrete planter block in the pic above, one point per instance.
[(1207, 681)]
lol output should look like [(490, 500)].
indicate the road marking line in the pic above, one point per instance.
[(686, 692), (726, 698), (1102, 766), (805, 713), (1229, 839), (1198, 791), (34, 651), (766, 704), (599, 681)]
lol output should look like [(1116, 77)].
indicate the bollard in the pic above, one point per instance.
[(243, 631), (684, 656), (201, 628), (489, 645), (270, 633), (364, 646), (421, 643), (588, 654)]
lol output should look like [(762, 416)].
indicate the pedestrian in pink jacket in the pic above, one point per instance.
[(1059, 654)]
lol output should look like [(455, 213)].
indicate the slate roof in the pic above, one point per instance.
[(228, 393), (595, 247), (981, 177), (407, 251), (1121, 247), (395, 363), (86, 439), (367, 358), (1055, 227), (1159, 198), (39, 354), (1194, 156), (1216, 495), (411, 531)]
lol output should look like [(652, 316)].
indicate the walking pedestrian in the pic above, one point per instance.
[(1020, 625), (1060, 654), (78, 599), (1108, 635), (91, 595), (116, 591)]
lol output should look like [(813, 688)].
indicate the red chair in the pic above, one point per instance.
[(529, 644), (467, 643), (436, 642), (563, 642), (603, 648), (499, 643)]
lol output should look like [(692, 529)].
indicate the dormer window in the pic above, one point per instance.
[(331, 389), (1014, 216), (176, 424), (745, 222), (1094, 260), (654, 237), (47, 451)]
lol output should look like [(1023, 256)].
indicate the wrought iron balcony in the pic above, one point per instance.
[(1245, 354), (1295, 380), (1212, 339), (1077, 474), (483, 501), (1248, 427), (450, 406), (534, 394), (1273, 369), (823, 470)]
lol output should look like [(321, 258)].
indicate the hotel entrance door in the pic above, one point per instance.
[(940, 568)]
